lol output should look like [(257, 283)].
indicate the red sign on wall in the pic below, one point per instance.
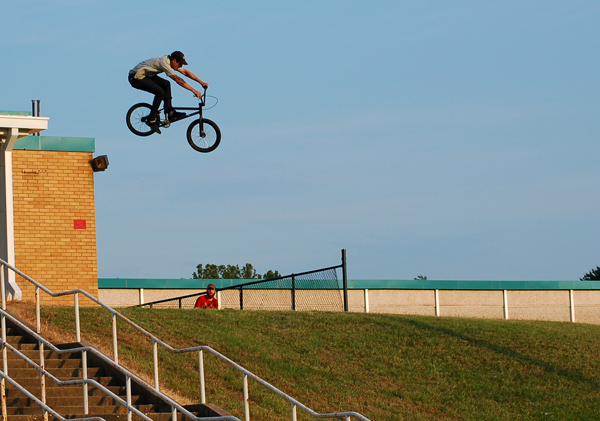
[(79, 224)]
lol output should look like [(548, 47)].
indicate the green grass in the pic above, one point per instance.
[(387, 367)]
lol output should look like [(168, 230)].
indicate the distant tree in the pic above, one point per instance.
[(211, 271), (592, 275), (270, 275), (421, 278)]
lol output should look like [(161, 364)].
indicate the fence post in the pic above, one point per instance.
[(437, 302), (366, 300), (505, 303), (241, 298), (345, 279), (572, 305), (293, 292)]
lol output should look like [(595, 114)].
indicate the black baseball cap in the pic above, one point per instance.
[(178, 55)]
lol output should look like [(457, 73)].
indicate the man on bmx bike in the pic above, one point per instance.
[(144, 76)]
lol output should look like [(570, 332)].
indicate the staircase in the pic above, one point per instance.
[(67, 400)]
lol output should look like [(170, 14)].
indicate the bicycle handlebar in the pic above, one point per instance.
[(203, 97)]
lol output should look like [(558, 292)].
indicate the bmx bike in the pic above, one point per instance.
[(202, 134)]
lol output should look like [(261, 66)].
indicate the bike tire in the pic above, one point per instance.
[(134, 119), (211, 138)]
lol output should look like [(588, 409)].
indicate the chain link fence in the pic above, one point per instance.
[(317, 290)]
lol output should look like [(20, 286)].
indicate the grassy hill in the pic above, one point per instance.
[(386, 367)]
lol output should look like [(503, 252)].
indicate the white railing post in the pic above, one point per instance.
[(201, 370), (155, 357), (246, 399), (505, 304), (572, 305), (437, 302), (86, 409), (43, 379), (77, 322), (38, 326), (4, 354), (294, 412), (366, 300), (173, 413), (114, 337), (128, 392)]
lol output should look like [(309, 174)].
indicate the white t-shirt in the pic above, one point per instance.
[(152, 67)]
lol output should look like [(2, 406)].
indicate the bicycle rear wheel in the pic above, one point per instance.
[(136, 119), (206, 140)]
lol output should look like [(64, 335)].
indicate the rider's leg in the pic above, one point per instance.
[(165, 85), (155, 85)]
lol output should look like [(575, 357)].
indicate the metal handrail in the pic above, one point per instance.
[(40, 403), (84, 349), (156, 341)]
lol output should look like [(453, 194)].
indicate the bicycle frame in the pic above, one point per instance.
[(198, 110), (203, 134)]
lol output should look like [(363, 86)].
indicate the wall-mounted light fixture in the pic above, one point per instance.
[(100, 163)]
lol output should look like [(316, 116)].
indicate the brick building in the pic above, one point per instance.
[(54, 214), (48, 218)]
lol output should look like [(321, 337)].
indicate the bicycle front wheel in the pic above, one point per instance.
[(136, 119), (205, 139)]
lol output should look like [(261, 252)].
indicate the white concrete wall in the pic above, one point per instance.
[(521, 305)]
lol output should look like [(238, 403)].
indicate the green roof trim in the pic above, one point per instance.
[(56, 143), (473, 285), (124, 283), (24, 113)]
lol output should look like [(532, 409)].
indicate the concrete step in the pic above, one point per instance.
[(107, 417), (66, 390), (60, 373), (23, 345), (34, 382), (69, 411), (50, 363), (75, 400), (19, 339), (67, 400), (34, 354)]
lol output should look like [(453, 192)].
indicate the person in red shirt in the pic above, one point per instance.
[(208, 300)]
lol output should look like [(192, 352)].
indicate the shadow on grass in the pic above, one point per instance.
[(507, 352)]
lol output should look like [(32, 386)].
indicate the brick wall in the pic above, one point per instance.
[(55, 222)]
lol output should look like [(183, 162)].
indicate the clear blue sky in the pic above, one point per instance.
[(450, 139)]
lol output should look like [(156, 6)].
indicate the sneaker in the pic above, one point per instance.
[(150, 120)]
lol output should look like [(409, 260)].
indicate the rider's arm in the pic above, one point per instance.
[(185, 85), (192, 76)]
